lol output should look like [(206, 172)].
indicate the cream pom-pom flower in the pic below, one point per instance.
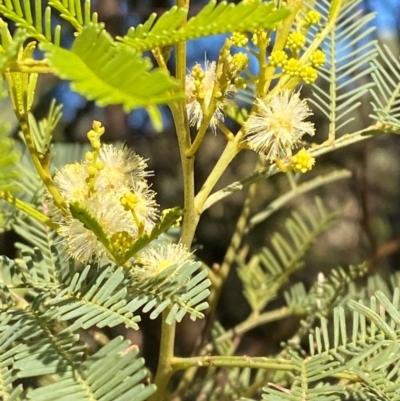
[(278, 125), (114, 192), (153, 260)]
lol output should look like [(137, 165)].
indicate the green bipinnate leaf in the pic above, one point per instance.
[(108, 73), (9, 157), (169, 219), (30, 16), (90, 221), (213, 19)]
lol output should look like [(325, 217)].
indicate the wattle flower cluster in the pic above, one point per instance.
[(111, 187), (111, 184), (199, 94), (278, 125)]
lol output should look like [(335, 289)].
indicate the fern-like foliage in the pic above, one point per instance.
[(213, 19), (36, 339), (349, 51), (225, 347), (10, 46), (109, 296), (327, 292), (7, 375), (265, 273), (308, 384), (10, 174), (236, 383), (100, 300), (182, 290), (31, 20), (9, 157), (30, 190), (364, 351), (37, 235), (94, 380), (386, 93), (110, 74), (32, 347), (73, 12), (42, 131)]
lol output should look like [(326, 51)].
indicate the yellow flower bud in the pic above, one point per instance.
[(295, 41), (278, 58), (309, 74), (302, 161), (293, 67), (312, 17), (239, 39), (318, 58)]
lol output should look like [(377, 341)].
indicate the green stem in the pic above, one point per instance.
[(231, 150), (165, 369), (292, 180), (319, 150), (254, 320), (190, 218), (281, 36), (293, 193), (234, 361), (250, 323), (41, 166), (278, 364), (199, 136), (218, 281), (28, 209)]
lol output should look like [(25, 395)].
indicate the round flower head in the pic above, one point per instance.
[(141, 202), (278, 125), (71, 181), (120, 165), (82, 243), (110, 185), (154, 260)]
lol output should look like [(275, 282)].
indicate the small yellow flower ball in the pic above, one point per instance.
[(240, 61), (240, 83), (98, 128), (239, 39), (121, 242), (302, 161), (293, 67), (96, 144), (278, 58), (312, 17), (197, 72), (129, 201), (309, 74), (318, 58), (295, 41), (89, 156), (259, 35), (92, 170)]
